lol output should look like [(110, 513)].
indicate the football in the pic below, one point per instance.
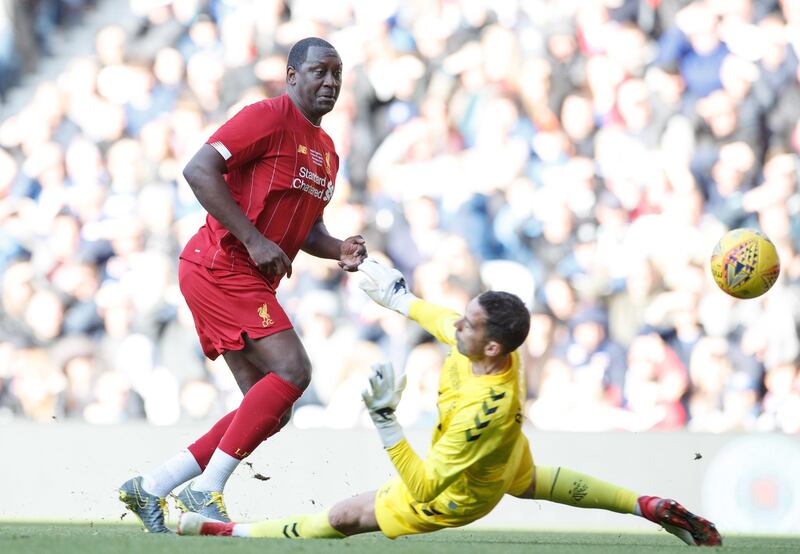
[(744, 263)]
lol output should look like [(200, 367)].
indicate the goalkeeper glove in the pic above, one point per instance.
[(386, 286), (381, 397)]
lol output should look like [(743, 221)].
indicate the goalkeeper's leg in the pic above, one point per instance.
[(349, 517), (565, 486)]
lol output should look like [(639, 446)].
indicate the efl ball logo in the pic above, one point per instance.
[(744, 263)]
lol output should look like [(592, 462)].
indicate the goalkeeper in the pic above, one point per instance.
[(478, 452)]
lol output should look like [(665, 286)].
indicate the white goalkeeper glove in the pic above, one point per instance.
[(381, 397), (386, 286)]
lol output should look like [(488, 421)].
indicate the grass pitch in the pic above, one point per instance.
[(88, 538)]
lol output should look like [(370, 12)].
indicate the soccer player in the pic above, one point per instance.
[(265, 178), (478, 453)]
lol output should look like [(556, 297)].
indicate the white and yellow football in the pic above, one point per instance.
[(744, 263)]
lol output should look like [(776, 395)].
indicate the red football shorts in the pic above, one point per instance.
[(226, 304)]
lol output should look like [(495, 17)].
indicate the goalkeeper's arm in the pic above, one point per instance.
[(424, 480), (386, 286)]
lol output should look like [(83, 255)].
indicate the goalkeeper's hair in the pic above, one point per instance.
[(299, 52), (507, 319)]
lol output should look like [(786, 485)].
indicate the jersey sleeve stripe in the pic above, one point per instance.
[(222, 149)]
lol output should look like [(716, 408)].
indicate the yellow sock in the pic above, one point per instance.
[(565, 486), (314, 526)]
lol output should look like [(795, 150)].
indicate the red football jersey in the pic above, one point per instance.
[(281, 171)]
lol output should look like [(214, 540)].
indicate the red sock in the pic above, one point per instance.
[(217, 528), (204, 447), (259, 415), (647, 505)]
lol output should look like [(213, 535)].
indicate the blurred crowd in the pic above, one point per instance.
[(26, 32), (584, 154)]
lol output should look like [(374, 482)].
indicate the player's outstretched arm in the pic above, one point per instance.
[(381, 397), (425, 481), (386, 286)]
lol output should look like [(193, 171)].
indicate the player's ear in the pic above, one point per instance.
[(291, 75), (493, 348)]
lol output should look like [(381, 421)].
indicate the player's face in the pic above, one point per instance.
[(470, 331), (317, 82)]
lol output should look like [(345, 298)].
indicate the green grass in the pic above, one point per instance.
[(87, 538)]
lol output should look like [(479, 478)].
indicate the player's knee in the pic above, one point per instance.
[(285, 418), (294, 369), (300, 376), (344, 519)]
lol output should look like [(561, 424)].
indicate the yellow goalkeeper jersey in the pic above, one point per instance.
[(477, 444)]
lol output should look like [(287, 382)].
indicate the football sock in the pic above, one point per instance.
[(257, 418), (565, 486), (178, 469), (646, 507), (315, 526), (204, 447), (216, 473)]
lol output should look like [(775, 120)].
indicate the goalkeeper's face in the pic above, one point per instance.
[(471, 333)]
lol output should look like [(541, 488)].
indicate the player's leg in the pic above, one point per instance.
[(181, 468), (349, 517), (286, 370), (145, 495), (566, 486)]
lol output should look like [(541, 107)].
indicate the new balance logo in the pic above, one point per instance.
[(302, 149)]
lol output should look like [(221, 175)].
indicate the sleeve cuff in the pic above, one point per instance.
[(404, 304)]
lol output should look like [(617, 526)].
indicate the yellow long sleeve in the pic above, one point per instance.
[(423, 481), (438, 321)]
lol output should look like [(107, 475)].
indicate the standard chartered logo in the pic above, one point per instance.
[(306, 181)]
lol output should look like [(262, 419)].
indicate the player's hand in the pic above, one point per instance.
[(386, 286), (352, 252), (381, 397), (383, 391), (269, 258)]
